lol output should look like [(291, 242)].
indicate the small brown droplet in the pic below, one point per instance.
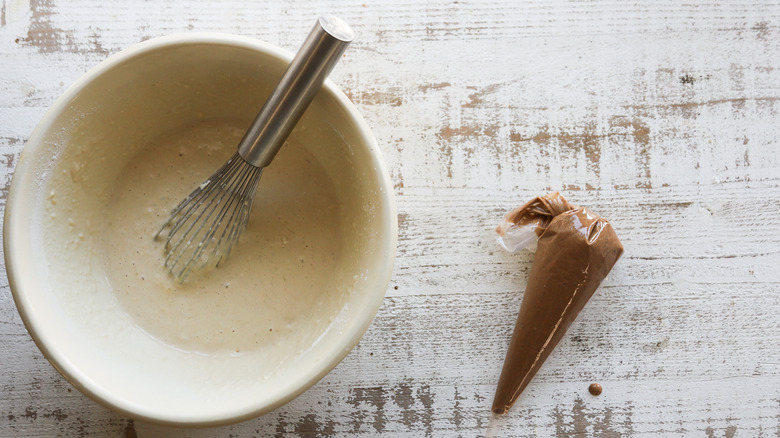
[(594, 389)]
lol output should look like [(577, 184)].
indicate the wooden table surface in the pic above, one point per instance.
[(663, 116)]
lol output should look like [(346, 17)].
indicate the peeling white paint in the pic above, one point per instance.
[(661, 116), (16, 11)]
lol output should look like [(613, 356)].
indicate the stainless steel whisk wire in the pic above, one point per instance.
[(231, 187), (204, 227)]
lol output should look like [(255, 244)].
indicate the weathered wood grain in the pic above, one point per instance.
[(662, 116)]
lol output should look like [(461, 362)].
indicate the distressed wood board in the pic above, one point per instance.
[(662, 116)]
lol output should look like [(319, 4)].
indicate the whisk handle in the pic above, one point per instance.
[(322, 49)]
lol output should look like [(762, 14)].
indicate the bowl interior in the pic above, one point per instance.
[(64, 279)]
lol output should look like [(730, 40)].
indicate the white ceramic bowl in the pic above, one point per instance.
[(56, 266)]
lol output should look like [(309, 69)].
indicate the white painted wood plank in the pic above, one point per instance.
[(663, 117)]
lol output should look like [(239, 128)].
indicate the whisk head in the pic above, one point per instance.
[(206, 225)]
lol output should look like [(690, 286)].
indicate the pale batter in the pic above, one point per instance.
[(280, 282)]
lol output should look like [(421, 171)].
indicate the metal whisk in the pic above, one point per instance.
[(205, 226)]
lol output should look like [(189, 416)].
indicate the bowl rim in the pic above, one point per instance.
[(14, 242)]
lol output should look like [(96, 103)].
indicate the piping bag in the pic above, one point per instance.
[(575, 251)]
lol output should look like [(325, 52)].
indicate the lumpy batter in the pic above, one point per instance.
[(280, 278)]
